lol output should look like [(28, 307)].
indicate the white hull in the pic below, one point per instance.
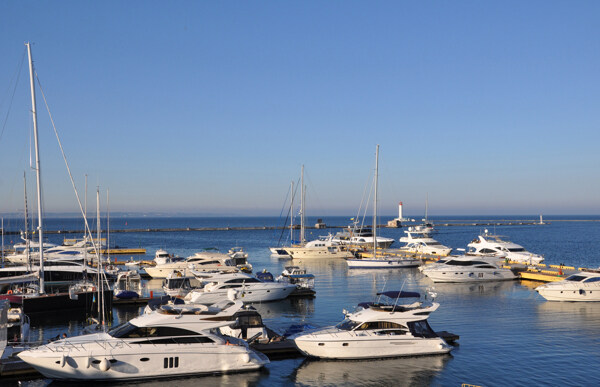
[(366, 263), (318, 252), (427, 250), (567, 290), (258, 294), (142, 361), (468, 274), (368, 346), (162, 271)]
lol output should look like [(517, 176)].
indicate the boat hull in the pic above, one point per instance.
[(137, 361), (264, 294), (370, 347), (466, 275), (318, 253), (556, 293)]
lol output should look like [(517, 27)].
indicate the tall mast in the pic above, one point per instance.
[(38, 170), (26, 222), (375, 202), (85, 258), (99, 266), (302, 206), (426, 205), (292, 213)]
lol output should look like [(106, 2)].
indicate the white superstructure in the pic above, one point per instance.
[(582, 286), (467, 269), (418, 241), (377, 330), (201, 261), (490, 244)]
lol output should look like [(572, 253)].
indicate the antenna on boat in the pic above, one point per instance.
[(398, 295), (375, 203), (382, 290)]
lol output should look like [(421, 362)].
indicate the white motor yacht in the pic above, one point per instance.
[(201, 261), (172, 341), (162, 257), (467, 269), (251, 289), (324, 247), (420, 242), (177, 284), (582, 286), (487, 244), (240, 259), (361, 236), (377, 330)]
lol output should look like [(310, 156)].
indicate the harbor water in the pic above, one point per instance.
[(509, 335)]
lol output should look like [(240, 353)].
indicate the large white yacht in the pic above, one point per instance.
[(467, 269), (251, 289), (582, 286), (324, 247), (377, 330), (201, 261), (419, 241), (361, 236), (490, 244), (169, 342)]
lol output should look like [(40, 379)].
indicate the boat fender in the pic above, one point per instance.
[(88, 362), (9, 291), (104, 365), (246, 358), (63, 360)]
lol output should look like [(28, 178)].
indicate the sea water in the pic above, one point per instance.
[(509, 335)]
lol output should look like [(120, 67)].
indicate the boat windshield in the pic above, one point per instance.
[(347, 325), (575, 278)]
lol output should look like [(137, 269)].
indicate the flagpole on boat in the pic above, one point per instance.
[(38, 171)]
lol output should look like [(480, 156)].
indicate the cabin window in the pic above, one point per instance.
[(129, 330), (487, 251), (421, 329), (576, 278), (593, 279), (171, 362), (379, 325)]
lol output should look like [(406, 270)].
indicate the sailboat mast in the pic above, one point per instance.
[(27, 247), (426, 205), (302, 206), (99, 266), (292, 213), (375, 202), (38, 170)]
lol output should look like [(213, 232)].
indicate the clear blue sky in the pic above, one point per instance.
[(212, 107)]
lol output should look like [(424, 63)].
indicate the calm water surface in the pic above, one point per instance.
[(509, 335)]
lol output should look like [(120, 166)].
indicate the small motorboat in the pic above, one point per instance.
[(128, 285)]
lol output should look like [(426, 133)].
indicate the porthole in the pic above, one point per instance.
[(345, 344), (321, 344), (145, 359), (96, 361)]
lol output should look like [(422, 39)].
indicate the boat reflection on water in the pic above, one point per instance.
[(289, 307), (407, 371), (245, 379), (491, 288), (570, 316)]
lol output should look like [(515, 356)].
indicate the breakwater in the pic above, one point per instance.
[(480, 223)]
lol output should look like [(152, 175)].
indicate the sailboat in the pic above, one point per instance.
[(324, 247), (35, 299), (379, 261), (279, 252)]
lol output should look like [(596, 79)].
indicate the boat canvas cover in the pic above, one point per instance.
[(399, 294)]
